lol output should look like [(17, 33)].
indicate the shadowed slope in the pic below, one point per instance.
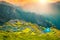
[(9, 12)]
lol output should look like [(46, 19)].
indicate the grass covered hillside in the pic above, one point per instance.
[(21, 30)]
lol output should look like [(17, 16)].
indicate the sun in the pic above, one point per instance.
[(43, 1)]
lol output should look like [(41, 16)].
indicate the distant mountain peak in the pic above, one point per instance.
[(58, 1), (3, 2), (6, 3)]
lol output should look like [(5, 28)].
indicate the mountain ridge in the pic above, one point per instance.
[(13, 12)]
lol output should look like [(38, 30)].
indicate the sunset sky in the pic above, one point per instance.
[(32, 5), (24, 2)]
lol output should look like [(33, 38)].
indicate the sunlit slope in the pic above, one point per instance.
[(19, 26), (29, 35)]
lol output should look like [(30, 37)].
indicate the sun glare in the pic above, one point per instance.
[(43, 1)]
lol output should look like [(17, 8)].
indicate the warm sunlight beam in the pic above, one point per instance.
[(43, 1)]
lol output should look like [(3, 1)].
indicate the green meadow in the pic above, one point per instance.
[(27, 31)]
